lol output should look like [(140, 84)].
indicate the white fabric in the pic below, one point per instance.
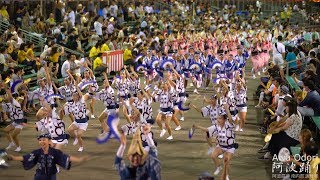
[(98, 28)]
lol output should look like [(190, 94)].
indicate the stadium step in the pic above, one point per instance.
[(293, 85)]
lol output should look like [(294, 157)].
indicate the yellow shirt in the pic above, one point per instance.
[(97, 62), (127, 54), (304, 94), (314, 168), (55, 58), (30, 52), (105, 47), (22, 55), (4, 13), (94, 52), (269, 84), (51, 21)]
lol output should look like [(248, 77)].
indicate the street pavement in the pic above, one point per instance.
[(180, 158)]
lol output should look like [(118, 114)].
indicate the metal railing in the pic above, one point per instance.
[(35, 38), (302, 63)]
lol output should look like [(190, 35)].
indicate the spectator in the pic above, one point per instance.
[(69, 65), (310, 105), (25, 59), (291, 59), (278, 51), (98, 65), (98, 26), (113, 9), (4, 13), (288, 134)]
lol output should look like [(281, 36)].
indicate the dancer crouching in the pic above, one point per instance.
[(143, 165)]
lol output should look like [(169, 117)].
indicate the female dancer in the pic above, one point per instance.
[(122, 85), (212, 110), (89, 77), (225, 134), (13, 108), (180, 96), (66, 91), (80, 124), (51, 123), (143, 165), (241, 100), (107, 96), (46, 158), (165, 96), (255, 58)]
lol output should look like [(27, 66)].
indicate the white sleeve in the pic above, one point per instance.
[(205, 111), (150, 140), (4, 107), (212, 130), (97, 96), (271, 88), (121, 150), (40, 125), (15, 103)]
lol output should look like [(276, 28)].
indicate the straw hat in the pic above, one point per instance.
[(137, 148)]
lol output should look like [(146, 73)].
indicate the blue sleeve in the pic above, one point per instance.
[(307, 101), (30, 160), (121, 167), (62, 159)]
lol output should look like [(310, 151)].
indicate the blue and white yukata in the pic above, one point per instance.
[(55, 126), (225, 136), (15, 113), (108, 98), (151, 168), (212, 112), (46, 163), (67, 92)]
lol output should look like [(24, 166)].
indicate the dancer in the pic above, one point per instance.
[(241, 100), (165, 96), (46, 158), (13, 108), (143, 165), (89, 77), (107, 96), (66, 91), (51, 123), (122, 85), (225, 134), (79, 111)]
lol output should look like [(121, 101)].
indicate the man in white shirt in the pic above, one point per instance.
[(72, 17), (113, 9), (110, 27), (105, 12), (98, 26), (148, 8), (278, 52), (69, 65)]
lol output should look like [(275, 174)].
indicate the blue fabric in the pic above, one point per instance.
[(312, 100), (290, 57), (151, 169), (46, 163)]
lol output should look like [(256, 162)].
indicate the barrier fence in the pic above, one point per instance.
[(113, 59)]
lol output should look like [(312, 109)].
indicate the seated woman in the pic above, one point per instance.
[(286, 132)]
